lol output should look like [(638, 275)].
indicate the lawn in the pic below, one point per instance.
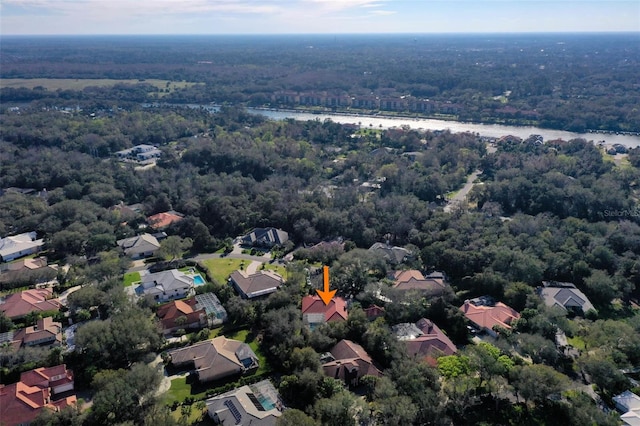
[(130, 278), (278, 269), (249, 338), (220, 269), (79, 84), (577, 342)]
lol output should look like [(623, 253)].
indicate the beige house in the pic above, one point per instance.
[(216, 358)]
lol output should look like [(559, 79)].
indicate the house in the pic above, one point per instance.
[(394, 254), (349, 362), (57, 378), (140, 246), (315, 312), (424, 339), (628, 403), (162, 220), (46, 332), (433, 284), (22, 402), (265, 237), (19, 305), (196, 312), (373, 312), (33, 270), (216, 358), (166, 285), (256, 405), (126, 213), (250, 286), (20, 245), (485, 314), (140, 152), (565, 296)]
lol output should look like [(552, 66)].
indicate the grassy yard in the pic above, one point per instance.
[(278, 269), (130, 278), (247, 337), (577, 342), (220, 269), (79, 84)]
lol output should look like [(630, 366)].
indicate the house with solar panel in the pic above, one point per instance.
[(258, 404)]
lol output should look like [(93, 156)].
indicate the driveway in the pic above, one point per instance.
[(67, 292), (462, 194)]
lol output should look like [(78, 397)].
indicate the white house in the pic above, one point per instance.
[(166, 285), (140, 246), (20, 245)]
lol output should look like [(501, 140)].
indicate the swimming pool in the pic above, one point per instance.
[(198, 280)]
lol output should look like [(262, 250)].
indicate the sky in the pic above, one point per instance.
[(80, 17)]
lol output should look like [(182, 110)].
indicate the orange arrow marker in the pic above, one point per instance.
[(326, 295)]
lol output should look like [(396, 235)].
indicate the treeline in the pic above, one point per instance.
[(570, 82)]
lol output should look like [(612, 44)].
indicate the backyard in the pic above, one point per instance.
[(130, 278), (220, 269)]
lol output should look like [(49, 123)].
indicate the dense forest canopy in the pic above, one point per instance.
[(563, 81)]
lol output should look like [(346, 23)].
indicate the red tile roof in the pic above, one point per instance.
[(20, 403), (431, 343), (336, 310), (45, 331), (20, 304), (47, 377), (374, 311), (162, 220), (171, 311), (489, 316)]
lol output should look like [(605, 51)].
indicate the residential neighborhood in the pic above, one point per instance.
[(324, 278)]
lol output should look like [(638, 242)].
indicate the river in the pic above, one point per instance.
[(493, 130)]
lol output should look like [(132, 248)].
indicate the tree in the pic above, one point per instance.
[(5, 323), (488, 362), (339, 410), (535, 383), (293, 417), (124, 395), (68, 416), (604, 373), (173, 247), (452, 366), (87, 297), (124, 339), (540, 349)]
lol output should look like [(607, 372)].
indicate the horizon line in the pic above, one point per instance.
[(612, 32)]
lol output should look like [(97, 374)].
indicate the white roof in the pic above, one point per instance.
[(631, 418), (628, 400), (18, 243), (166, 281), (142, 243)]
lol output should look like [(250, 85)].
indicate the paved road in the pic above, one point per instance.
[(462, 194)]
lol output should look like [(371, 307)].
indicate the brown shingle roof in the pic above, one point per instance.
[(350, 356), (255, 285), (214, 359)]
